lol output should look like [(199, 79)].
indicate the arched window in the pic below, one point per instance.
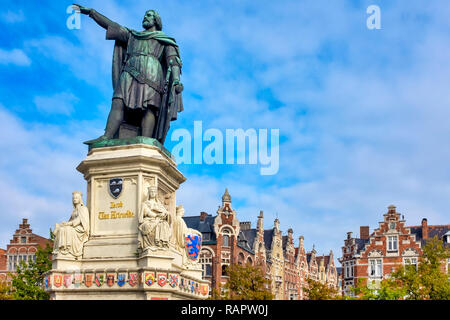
[(225, 238), (249, 261), (241, 258)]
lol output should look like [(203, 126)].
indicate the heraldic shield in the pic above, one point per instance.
[(115, 187), (193, 244)]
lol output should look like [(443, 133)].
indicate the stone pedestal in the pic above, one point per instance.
[(112, 249)]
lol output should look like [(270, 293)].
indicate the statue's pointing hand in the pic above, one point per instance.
[(82, 9)]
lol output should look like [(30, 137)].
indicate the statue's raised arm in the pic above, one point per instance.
[(101, 20)]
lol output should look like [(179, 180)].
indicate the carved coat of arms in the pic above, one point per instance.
[(67, 280), (47, 282), (99, 279), (115, 187), (204, 289), (173, 280), (88, 279), (149, 278), (57, 279), (132, 278), (121, 279), (110, 279), (162, 279), (193, 245), (77, 279)]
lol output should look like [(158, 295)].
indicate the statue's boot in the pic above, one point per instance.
[(99, 139), (114, 120)]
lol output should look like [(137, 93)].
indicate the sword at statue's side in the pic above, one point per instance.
[(163, 118)]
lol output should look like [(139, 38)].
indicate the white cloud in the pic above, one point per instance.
[(59, 103), (14, 57)]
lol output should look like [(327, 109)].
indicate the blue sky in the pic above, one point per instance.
[(363, 114)]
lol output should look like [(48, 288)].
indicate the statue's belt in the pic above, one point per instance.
[(140, 78)]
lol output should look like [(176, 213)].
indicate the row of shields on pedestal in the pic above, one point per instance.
[(133, 279)]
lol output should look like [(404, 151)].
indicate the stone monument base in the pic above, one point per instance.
[(113, 266)]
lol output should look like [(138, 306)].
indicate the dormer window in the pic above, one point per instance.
[(392, 225), (446, 237)]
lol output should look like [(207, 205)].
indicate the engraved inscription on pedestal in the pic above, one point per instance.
[(115, 206)]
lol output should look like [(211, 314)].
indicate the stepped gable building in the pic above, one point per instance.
[(227, 241), (291, 269), (22, 247), (302, 264), (327, 272), (375, 255), (275, 259)]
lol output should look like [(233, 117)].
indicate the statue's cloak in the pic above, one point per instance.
[(171, 102)]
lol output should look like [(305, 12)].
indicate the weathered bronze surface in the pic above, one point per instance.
[(146, 79)]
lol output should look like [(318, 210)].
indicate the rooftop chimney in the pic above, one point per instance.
[(424, 228), (203, 216), (364, 232), (246, 225)]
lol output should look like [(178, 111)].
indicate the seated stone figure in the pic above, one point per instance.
[(70, 236), (182, 233), (181, 229), (154, 223)]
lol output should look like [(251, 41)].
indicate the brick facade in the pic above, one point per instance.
[(374, 256), (22, 246)]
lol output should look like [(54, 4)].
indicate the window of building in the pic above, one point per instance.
[(206, 236), (23, 239), (206, 262), (10, 263), (392, 243), (224, 270), (392, 225), (375, 268), (241, 258), (410, 262), (225, 238), (347, 269), (226, 258)]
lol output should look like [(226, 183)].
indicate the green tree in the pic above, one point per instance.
[(387, 289), (317, 290), (244, 283), (427, 281), (27, 283), (5, 292)]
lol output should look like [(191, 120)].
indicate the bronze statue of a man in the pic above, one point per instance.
[(146, 77)]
